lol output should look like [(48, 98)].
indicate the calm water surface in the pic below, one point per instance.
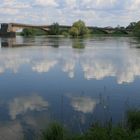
[(45, 79)]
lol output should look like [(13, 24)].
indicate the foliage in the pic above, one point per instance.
[(136, 30), (78, 29), (136, 135), (32, 32), (54, 30), (74, 32), (54, 132), (119, 133), (99, 132), (27, 32), (131, 25), (97, 31), (65, 34), (133, 120)]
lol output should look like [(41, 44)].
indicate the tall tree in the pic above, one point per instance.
[(136, 30), (55, 30), (78, 29)]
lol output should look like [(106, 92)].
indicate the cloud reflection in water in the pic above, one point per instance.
[(11, 131), (83, 104), (96, 62), (21, 105)]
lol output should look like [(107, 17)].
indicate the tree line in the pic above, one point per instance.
[(79, 29)]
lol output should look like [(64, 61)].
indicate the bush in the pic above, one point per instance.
[(65, 34), (97, 133), (54, 132), (79, 29), (136, 30), (133, 120), (119, 133), (54, 30), (32, 32), (74, 32), (136, 135)]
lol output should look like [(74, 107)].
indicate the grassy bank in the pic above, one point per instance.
[(128, 131)]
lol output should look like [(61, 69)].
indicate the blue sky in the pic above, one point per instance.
[(93, 12)]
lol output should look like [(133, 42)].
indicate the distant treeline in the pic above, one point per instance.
[(79, 29)]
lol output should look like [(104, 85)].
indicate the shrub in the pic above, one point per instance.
[(133, 120), (78, 29), (136, 30), (54, 132)]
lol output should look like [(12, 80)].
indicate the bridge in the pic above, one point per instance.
[(10, 29)]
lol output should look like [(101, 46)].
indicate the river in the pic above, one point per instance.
[(47, 79)]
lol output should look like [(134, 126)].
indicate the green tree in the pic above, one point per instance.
[(74, 32), (56, 131), (131, 25), (136, 30), (78, 29), (55, 29), (32, 32), (28, 32)]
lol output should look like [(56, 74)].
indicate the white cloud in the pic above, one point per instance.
[(71, 3), (8, 11), (93, 12), (46, 2), (98, 3), (133, 5)]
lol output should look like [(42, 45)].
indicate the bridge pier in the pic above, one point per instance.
[(6, 32)]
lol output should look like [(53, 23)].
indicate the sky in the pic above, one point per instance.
[(94, 12)]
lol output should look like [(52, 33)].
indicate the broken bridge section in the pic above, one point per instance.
[(10, 29)]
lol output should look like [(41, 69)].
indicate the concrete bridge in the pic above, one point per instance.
[(10, 29)]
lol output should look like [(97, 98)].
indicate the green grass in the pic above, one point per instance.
[(131, 131)]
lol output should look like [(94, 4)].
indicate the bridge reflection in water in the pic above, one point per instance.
[(8, 42)]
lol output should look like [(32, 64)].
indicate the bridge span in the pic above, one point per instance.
[(10, 29)]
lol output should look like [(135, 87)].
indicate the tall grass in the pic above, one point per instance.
[(131, 131)]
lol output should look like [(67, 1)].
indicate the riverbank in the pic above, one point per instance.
[(128, 130)]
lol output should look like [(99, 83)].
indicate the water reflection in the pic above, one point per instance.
[(21, 105), (135, 43), (78, 43), (55, 42), (99, 71), (125, 71), (8, 42), (28, 115), (68, 67), (84, 104), (11, 131), (96, 63), (44, 66)]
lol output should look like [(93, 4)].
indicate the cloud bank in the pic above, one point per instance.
[(94, 13)]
